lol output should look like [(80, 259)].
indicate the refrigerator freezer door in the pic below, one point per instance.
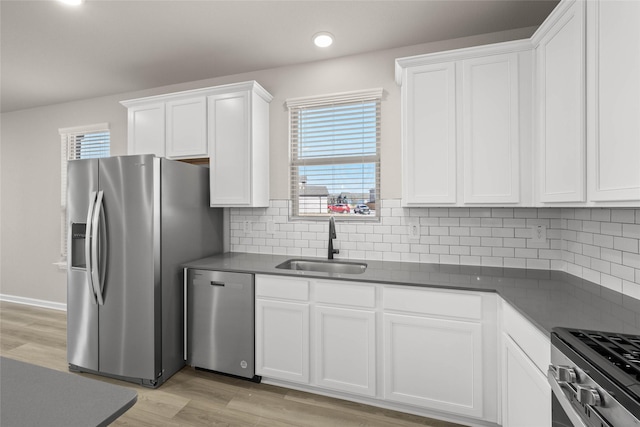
[(129, 333), (82, 310)]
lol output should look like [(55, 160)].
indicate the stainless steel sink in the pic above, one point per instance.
[(338, 267)]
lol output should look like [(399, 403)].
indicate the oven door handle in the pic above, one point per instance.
[(556, 387)]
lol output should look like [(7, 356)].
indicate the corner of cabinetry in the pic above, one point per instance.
[(399, 73)]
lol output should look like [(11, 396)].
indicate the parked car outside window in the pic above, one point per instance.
[(339, 208), (362, 209)]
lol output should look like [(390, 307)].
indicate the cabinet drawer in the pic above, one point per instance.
[(436, 303), (345, 293), (282, 287), (535, 344)]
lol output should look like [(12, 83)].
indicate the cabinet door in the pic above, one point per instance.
[(429, 140), (345, 350), (187, 128), (229, 149), (561, 109), (613, 100), (146, 129), (282, 340), (526, 394), (490, 129), (433, 363)]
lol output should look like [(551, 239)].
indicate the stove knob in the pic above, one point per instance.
[(567, 374), (588, 395)]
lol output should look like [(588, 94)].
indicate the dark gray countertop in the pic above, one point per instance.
[(547, 298), (36, 396)]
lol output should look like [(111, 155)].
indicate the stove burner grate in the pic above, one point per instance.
[(621, 350)]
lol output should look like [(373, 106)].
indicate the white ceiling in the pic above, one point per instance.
[(52, 53)]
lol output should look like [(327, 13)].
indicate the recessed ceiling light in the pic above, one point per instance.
[(323, 39), (72, 2)]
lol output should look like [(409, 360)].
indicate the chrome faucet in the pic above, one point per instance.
[(332, 235)]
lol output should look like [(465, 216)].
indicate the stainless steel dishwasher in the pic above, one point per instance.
[(220, 322)]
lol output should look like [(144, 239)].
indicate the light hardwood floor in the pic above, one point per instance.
[(193, 397)]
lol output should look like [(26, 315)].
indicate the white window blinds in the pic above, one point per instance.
[(335, 154), (82, 142)]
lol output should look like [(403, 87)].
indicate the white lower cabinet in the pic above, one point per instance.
[(526, 394), (433, 363), (282, 328), (282, 340), (420, 350), (526, 355), (345, 349)]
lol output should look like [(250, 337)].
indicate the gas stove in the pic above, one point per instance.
[(595, 377)]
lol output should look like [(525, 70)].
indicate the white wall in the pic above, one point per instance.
[(30, 175)]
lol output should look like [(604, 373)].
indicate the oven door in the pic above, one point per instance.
[(562, 412)]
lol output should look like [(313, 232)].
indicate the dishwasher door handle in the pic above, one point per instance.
[(214, 283)]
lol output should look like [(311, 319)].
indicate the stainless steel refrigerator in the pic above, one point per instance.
[(132, 221)]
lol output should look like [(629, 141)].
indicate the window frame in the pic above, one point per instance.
[(68, 139), (294, 107)]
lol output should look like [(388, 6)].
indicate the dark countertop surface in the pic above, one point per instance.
[(547, 298), (37, 396)]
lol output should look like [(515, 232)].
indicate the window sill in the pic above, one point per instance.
[(338, 217), (62, 264)]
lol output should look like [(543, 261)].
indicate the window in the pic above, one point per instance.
[(335, 155), (83, 142)]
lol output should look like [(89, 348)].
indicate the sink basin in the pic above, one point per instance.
[(338, 267)]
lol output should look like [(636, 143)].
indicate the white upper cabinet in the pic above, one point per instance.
[(228, 124), (429, 134), (466, 118), (560, 57), (588, 104), (613, 101), (186, 128), (239, 147), (490, 129), (146, 128)]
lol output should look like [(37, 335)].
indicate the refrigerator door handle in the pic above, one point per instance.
[(97, 278), (87, 246)]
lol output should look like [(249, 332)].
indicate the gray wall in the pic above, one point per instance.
[(30, 147)]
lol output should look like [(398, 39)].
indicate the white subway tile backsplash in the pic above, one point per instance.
[(631, 260), (515, 263), (491, 222), (601, 266), (591, 251), (541, 264), (591, 275), (439, 231), (611, 228), (514, 243), (611, 255), (591, 226), (623, 272), (450, 222), (503, 252), (502, 212), (600, 244), (502, 232), (480, 251), (584, 214), (623, 215), (625, 244), (491, 241), (631, 231)]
